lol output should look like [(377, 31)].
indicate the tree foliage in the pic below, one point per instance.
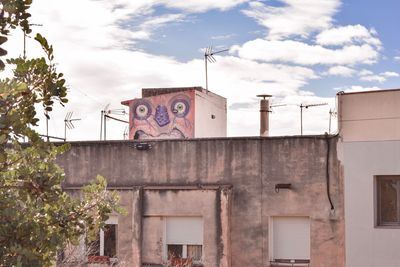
[(37, 218)]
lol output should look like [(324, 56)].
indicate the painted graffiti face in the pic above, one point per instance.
[(162, 117)]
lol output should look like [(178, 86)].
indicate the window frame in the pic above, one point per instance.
[(184, 245), (112, 220), (379, 223), (272, 221), (185, 251)]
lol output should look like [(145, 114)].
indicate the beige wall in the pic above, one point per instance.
[(206, 105), (159, 204), (369, 127), (369, 116), (251, 166)]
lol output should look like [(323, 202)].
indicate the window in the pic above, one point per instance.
[(185, 251), (184, 238), (106, 242), (109, 244), (290, 239), (388, 200)]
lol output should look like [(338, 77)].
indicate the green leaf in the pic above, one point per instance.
[(3, 39)]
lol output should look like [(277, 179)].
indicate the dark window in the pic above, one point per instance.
[(106, 245), (175, 251), (388, 200), (110, 240)]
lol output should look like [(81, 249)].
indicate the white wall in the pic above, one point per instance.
[(369, 116), (366, 244), (206, 105)]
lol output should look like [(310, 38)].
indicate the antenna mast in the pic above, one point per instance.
[(68, 123), (301, 113), (332, 113), (105, 115), (209, 57)]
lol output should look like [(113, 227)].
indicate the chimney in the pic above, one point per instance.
[(264, 115)]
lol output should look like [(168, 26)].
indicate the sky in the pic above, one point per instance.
[(299, 51)]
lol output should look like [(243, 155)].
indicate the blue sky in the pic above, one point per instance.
[(300, 51)]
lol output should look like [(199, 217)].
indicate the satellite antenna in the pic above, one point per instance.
[(332, 113), (301, 112), (68, 123), (209, 57)]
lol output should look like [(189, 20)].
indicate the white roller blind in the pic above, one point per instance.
[(291, 238), (184, 230)]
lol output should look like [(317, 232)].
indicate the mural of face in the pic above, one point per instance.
[(167, 116)]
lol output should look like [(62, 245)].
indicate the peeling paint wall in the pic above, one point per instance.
[(159, 204), (251, 166)]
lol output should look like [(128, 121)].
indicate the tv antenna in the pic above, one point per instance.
[(332, 113), (301, 112), (125, 134), (209, 57), (275, 106), (68, 123), (105, 114)]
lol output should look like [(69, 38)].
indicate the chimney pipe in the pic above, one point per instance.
[(264, 115)]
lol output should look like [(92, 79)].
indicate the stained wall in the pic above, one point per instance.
[(249, 167)]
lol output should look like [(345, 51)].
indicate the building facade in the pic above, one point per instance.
[(219, 201), (369, 148)]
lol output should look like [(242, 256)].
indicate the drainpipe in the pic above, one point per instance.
[(264, 115)]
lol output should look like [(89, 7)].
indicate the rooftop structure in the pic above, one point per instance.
[(175, 113)]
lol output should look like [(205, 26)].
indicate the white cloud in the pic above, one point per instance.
[(369, 76), (294, 18), (341, 71), (390, 74), (348, 35), (200, 5), (150, 24), (365, 72), (397, 58), (373, 78), (223, 37), (304, 54)]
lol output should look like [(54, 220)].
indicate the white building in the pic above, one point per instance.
[(369, 129)]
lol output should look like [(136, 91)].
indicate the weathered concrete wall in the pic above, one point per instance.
[(252, 166), (159, 204)]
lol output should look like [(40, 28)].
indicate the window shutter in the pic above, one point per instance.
[(184, 230)]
